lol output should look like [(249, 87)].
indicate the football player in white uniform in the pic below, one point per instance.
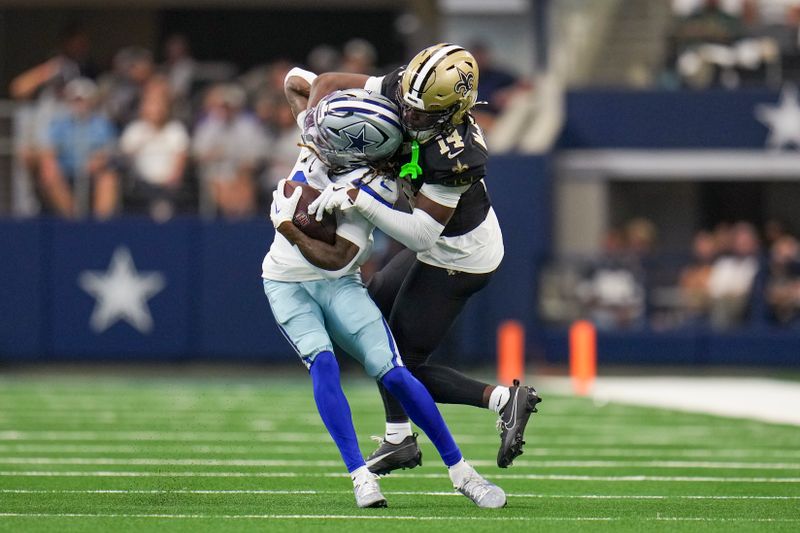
[(453, 240), (315, 289)]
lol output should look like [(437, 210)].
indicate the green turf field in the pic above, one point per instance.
[(111, 454)]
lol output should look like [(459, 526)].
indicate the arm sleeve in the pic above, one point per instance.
[(374, 84), (354, 227), (443, 194), (418, 231)]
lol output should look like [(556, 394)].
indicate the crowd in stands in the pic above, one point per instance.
[(171, 137), (157, 139), (733, 275), (734, 43)]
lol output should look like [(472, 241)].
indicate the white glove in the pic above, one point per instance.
[(283, 208), (334, 196)]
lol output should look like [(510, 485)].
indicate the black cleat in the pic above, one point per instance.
[(513, 419), (390, 456)]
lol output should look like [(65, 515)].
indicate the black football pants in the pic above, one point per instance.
[(420, 303)]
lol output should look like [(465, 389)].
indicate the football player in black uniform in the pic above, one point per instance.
[(453, 240)]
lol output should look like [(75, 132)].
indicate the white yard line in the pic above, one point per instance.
[(666, 437), (281, 449), (397, 517), (761, 399), (559, 477), (308, 517), (399, 493), (305, 463)]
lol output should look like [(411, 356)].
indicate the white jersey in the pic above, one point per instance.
[(478, 252), (284, 262)]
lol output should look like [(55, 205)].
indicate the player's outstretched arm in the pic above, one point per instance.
[(326, 83), (297, 87), (417, 231)]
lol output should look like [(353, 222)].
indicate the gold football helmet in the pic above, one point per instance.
[(438, 88)]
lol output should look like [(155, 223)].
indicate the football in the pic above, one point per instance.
[(324, 231)]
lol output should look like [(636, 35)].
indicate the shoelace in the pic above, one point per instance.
[(377, 439), (367, 485), (475, 487)]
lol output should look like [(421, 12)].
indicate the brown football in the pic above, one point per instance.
[(324, 231)]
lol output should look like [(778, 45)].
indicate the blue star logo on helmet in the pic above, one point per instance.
[(358, 142), (465, 82)]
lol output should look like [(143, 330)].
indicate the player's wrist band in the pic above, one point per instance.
[(300, 73)]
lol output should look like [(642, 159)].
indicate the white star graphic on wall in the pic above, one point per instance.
[(783, 119), (121, 293)]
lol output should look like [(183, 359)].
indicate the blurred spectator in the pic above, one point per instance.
[(324, 58), (723, 238), (613, 292), (39, 91), (266, 78), (731, 279), (228, 145), (496, 86), (180, 70), (774, 229), (283, 146), (122, 89), (640, 237), (693, 281), (179, 66), (76, 158), (492, 80), (710, 24), (729, 43), (783, 286), (71, 61), (359, 56), (156, 148)]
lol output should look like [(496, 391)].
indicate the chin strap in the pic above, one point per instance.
[(412, 168)]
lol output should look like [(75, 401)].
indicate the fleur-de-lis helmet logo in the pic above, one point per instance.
[(465, 82)]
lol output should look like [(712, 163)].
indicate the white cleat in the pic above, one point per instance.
[(368, 492), (485, 494)]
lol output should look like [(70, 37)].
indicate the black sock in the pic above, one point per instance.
[(447, 385), (394, 410)]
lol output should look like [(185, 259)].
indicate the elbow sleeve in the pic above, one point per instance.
[(417, 231)]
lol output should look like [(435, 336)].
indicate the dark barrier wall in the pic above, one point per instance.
[(132, 289), (667, 119)]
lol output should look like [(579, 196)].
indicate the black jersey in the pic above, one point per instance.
[(454, 159)]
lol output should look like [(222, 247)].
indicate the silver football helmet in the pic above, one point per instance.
[(352, 128)]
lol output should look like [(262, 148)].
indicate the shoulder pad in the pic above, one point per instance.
[(390, 83), (455, 159)]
